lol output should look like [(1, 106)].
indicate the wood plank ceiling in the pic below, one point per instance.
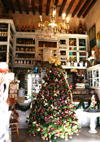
[(79, 8)]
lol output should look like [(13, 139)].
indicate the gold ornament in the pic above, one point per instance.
[(38, 129), (34, 122)]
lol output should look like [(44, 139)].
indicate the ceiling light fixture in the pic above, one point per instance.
[(53, 26)]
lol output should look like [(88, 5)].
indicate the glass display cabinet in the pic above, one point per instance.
[(93, 74)]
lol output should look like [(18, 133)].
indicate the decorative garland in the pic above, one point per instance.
[(81, 103), (22, 108)]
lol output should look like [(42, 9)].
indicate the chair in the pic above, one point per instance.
[(13, 123)]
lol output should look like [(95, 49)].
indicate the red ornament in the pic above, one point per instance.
[(29, 134), (33, 135), (67, 119), (60, 117), (37, 114), (67, 104), (26, 121), (41, 110), (79, 130), (74, 107), (66, 133), (34, 118), (76, 119), (57, 90), (41, 129), (39, 123), (50, 90), (46, 138), (66, 89), (51, 114), (64, 124), (32, 109), (51, 97), (60, 132), (48, 108), (41, 136), (54, 99), (70, 124), (50, 141), (60, 99), (55, 137), (77, 134), (57, 85), (48, 133), (39, 99), (62, 78), (70, 136), (62, 90), (56, 134), (59, 110), (38, 105), (45, 117)]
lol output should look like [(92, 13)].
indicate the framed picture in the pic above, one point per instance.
[(92, 36)]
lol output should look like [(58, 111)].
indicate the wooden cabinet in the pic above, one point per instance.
[(83, 94), (31, 47), (73, 52), (7, 32), (24, 52)]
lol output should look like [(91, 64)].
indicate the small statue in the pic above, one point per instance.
[(93, 102)]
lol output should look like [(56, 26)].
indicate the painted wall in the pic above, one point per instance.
[(32, 20), (94, 18)]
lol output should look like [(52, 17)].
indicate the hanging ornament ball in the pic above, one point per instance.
[(33, 135)]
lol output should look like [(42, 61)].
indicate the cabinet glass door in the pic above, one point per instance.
[(82, 50), (72, 49)]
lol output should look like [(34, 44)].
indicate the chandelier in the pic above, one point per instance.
[(52, 25)]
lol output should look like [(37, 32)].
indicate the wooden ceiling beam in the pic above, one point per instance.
[(11, 6), (56, 2), (33, 6), (48, 7), (70, 6), (19, 7), (84, 8), (89, 8), (6, 7), (62, 7), (77, 8), (25, 6), (40, 6)]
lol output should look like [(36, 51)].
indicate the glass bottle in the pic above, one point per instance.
[(22, 29), (25, 29), (33, 29), (28, 28), (80, 29), (17, 29)]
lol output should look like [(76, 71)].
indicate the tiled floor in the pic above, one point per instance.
[(83, 137)]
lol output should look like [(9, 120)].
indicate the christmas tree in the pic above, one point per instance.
[(53, 113)]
